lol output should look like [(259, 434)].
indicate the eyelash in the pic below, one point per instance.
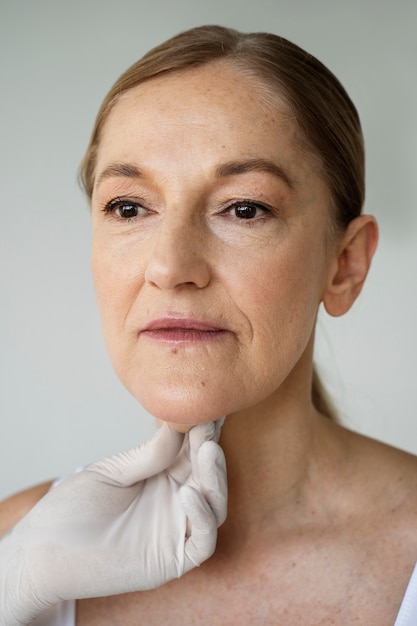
[(111, 207), (248, 204), (118, 203)]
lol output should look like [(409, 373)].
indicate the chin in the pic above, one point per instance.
[(180, 428), (182, 411)]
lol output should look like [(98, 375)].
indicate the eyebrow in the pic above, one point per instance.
[(231, 168), (119, 170)]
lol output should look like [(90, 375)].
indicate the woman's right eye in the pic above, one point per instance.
[(124, 209)]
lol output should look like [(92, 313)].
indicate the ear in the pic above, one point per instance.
[(350, 266)]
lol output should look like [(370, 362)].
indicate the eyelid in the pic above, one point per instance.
[(115, 202), (245, 201), (109, 208)]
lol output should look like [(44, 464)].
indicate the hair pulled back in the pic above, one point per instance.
[(325, 116)]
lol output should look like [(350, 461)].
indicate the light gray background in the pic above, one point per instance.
[(61, 406)]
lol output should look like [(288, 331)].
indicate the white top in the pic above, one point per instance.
[(407, 615), (64, 614)]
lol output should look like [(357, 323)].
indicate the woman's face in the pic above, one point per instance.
[(210, 244)]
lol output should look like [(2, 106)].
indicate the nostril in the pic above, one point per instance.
[(174, 270)]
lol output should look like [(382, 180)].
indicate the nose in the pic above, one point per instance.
[(178, 255)]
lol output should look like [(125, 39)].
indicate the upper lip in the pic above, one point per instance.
[(182, 323)]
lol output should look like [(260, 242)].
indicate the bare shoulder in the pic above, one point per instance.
[(386, 460), (386, 476), (13, 508)]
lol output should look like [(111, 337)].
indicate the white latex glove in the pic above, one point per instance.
[(130, 522)]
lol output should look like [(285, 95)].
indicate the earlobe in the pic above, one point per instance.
[(351, 264)]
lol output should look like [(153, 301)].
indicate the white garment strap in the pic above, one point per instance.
[(407, 615), (62, 614)]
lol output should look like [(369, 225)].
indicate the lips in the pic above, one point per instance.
[(182, 329)]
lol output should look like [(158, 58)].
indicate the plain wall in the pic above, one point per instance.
[(61, 405)]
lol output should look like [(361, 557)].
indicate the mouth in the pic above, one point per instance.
[(183, 330)]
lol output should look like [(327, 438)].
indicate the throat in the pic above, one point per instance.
[(276, 466)]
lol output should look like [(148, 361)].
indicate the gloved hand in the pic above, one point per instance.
[(130, 522)]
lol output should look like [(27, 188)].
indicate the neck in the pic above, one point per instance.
[(277, 456)]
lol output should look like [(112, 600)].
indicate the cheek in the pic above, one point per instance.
[(116, 282), (285, 281), (105, 284), (280, 297)]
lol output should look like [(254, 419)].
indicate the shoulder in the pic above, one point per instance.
[(382, 467), (383, 482), (13, 508), (385, 463), (374, 479)]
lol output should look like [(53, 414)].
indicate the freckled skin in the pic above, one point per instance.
[(261, 281)]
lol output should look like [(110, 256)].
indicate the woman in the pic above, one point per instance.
[(226, 179)]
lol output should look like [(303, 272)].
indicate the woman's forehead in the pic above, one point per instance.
[(214, 94), (211, 112)]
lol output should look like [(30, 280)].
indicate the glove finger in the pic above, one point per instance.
[(146, 460), (213, 479), (186, 463), (201, 543), (197, 436), (218, 428)]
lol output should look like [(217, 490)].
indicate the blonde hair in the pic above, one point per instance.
[(325, 116)]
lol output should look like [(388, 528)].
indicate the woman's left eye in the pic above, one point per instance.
[(245, 210)]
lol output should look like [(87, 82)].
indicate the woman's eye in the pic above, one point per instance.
[(248, 210), (127, 211), (124, 209)]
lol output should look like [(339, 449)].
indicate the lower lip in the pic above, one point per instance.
[(186, 335)]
